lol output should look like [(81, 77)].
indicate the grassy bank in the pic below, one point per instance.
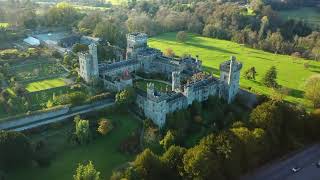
[(102, 151)]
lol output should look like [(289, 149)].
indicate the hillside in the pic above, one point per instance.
[(291, 71)]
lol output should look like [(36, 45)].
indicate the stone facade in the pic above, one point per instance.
[(89, 68), (156, 105)]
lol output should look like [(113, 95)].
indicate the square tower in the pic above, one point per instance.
[(230, 76), (89, 68), (135, 43)]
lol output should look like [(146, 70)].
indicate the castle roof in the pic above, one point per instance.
[(202, 83), (226, 65), (116, 65)]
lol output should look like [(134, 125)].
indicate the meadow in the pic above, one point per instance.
[(45, 84), (307, 14), (291, 71), (103, 152), (4, 24)]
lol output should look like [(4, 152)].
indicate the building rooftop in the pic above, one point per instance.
[(226, 65), (116, 65)]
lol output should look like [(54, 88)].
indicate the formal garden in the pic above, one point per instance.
[(32, 71)]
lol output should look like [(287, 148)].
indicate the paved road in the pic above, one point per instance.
[(73, 112), (281, 170)]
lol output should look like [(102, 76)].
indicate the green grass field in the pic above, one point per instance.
[(102, 152), (4, 24), (45, 84), (291, 71), (159, 86), (307, 14)]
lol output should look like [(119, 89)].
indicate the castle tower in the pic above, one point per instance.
[(89, 68), (135, 43), (230, 76), (176, 85), (93, 51), (150, 90)]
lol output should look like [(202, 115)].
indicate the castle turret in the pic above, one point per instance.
[(89, 68), (93, 51), (150, 90), (176, 85), (230, 76), (135, 43)]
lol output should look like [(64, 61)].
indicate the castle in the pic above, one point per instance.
[(189, 82)]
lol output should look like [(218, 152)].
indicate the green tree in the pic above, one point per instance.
[(15, 150), (269, 117), (125, 97), (173, 159), (250, 73), (147, 165), (82, 130), (270, 78), (168, 140), (86, 172), (312, 89), (202, 162), (182, 36)]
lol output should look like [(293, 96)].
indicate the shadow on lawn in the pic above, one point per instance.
[(296, 93), (212, 48), (212, 70)]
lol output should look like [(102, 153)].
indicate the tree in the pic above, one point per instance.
[(250, 73), (82, 130), (105, 126), (181, 36), (316, 52), (173, 160), (313, 90), (253, 143), (125, 97), (168, 140), (276, 41), (270, 78), (269, 117), (147, 165), (15, 150), (263, 27), (86, 172), (201, 161), (169, 52)]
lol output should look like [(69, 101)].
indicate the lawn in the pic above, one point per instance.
[(45, 84), (291, 71), (102, 152), (307, 14), (4, 24), (159, 86)]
